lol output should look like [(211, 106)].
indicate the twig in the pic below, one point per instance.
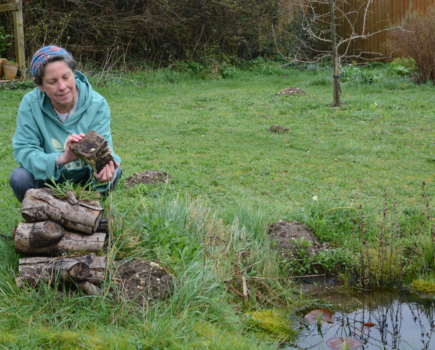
[(245, 290)]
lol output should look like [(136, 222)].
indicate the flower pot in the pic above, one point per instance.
[(2, 60), (10, 70)]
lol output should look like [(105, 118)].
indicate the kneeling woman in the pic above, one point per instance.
[(60, 111)]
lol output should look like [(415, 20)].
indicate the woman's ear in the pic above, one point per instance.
[(39, 86)]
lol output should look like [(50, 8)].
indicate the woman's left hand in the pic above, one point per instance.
[(108, 173)]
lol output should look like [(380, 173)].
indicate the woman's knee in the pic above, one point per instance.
[(20, 181)]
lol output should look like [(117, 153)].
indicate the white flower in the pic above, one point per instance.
[(315, 198)]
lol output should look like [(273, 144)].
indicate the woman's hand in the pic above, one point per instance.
[(68, 155), (107, 174)]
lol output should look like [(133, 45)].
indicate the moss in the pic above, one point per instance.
[(8, 339), (273, 325), (215, 338), (422, 286)]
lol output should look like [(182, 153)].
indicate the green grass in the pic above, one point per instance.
[(231, 179)]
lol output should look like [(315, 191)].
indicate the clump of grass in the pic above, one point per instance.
[(422, 286), (82, 193)]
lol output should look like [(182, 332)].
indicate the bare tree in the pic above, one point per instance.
[(319, 19)]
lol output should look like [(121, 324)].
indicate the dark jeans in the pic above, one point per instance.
[(21, 180)]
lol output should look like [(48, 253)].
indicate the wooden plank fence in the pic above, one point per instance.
[(380, 14)]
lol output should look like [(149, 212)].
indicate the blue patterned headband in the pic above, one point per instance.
[(43, 55)]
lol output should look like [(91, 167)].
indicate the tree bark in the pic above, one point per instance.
[(337, 89), (41, 205), (30, 239), (33, 270), (39, 234), (97, 266), (88, 288), (94, 150)]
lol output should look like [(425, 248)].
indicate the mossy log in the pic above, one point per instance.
[(94, 150), (41, 205), (38, 239), (33, 270), (97, 267)]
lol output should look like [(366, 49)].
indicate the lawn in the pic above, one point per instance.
[(234, 177)]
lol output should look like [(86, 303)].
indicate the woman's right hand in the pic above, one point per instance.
[(69, 156)]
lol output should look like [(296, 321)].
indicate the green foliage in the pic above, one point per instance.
[(403, 67), (18, 85), (167, 241), (370, 74), (332, 261), (4, 41)]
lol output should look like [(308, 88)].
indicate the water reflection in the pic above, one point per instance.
[(402, 321)]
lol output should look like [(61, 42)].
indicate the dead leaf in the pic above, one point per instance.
[(340, 343), (326, 317)]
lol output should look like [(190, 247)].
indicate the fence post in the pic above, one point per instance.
[(19, 37)]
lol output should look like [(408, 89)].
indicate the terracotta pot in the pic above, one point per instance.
[(2, 60), (10, 70)]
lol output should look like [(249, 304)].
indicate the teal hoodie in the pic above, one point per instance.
[(40, 137)]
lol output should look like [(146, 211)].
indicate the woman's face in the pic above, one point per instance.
[(59, 84)]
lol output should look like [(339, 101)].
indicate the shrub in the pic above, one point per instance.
[(4, 41), (417, 41), (129, 32)]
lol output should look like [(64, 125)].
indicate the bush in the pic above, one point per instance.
[(417, 42), (157, 31), (4, 41)]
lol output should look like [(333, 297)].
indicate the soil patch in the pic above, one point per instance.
[(278, 129), (289, 235), (148, 177), (291, 91), (143, 281)]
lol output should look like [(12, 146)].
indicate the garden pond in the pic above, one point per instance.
[(383, 319)]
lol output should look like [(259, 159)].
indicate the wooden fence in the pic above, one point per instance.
[(381, 13)]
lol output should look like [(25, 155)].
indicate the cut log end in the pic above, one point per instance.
[(79, 272), (53, 230)]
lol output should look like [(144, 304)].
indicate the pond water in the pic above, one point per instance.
[(402, 321)]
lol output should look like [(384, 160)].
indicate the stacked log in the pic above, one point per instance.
[(56, 226)]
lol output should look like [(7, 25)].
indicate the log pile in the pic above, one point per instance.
[(56, 226)]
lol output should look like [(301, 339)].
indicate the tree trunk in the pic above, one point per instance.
[(31, 238), (97, 266), (337, 102), (41, 205), (32, 270), (94, 150)]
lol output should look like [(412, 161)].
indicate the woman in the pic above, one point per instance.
[(60, 111)]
